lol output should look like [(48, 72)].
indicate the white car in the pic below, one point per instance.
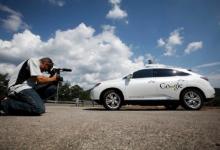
[(155, 85)]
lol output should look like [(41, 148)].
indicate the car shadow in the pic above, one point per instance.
[(132, 109)]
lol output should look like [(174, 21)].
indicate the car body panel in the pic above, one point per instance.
[(139, 89), (170, 89)]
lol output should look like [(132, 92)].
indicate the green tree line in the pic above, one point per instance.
[(68, 92)]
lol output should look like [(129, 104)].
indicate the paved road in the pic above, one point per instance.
[(67, 127)]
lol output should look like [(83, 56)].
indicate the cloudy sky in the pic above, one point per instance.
[(107, 39)]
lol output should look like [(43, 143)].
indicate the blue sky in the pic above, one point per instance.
[(184, 33)]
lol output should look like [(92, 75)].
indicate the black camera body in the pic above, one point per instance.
[(57, 71)]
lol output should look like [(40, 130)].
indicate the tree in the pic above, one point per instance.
[(85, 95), (68, 92), (64, 92)]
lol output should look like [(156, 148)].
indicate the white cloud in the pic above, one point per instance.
[(115, 2), (108, 28), (59, 3), (208, 65), (194, 46), (14, 21), (161, 42), (6, 68), (116, 12), (171, 42), (20, 47), (92, 57), (9, 10)]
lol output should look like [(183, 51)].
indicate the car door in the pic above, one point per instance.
[(169, 83), (141, 86)]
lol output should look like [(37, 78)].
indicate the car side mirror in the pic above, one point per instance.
[(128, 77)]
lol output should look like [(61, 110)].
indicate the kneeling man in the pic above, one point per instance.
[(28, 88)]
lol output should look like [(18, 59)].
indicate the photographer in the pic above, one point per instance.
[(28, 88)]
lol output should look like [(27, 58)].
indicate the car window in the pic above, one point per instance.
[(168, 73), (145, 73), (180, 73)]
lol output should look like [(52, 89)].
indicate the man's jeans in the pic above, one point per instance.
[(28, 101)]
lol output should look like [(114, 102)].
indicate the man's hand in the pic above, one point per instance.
[(46, 80), (59, 78), (54, 78)]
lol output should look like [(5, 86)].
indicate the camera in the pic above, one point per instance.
[(57, 71)]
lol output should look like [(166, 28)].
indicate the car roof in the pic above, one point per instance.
[(162, 66)]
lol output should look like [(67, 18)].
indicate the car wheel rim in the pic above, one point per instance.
[(192, 99), (112, 100)]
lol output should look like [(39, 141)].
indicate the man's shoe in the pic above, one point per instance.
[(2, 98)]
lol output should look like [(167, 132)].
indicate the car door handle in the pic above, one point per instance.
[(151, 81)]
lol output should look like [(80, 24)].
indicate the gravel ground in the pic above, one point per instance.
[(68, 127)]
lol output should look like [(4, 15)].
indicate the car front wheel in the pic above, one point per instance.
[(112, 100), (192, 99)]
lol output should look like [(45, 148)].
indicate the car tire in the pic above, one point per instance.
[(112, 100), (171, 106), (192, 99)]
